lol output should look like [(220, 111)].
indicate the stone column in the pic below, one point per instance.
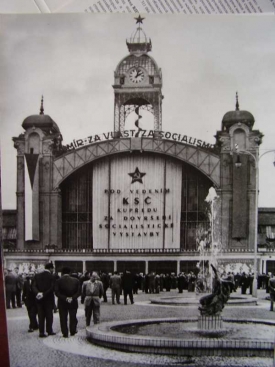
[(146, 267)]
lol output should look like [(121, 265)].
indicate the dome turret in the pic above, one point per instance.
[(44, 122), (233, 117)]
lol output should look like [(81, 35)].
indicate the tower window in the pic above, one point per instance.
[(151, 79), (122, 80), (31, 150)]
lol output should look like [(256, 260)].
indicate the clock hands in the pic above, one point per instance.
[(139, 72)]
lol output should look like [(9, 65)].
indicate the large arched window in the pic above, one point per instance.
[(195, 187), (77, 228)]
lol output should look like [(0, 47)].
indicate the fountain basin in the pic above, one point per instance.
[(167, 336), (192, 301)]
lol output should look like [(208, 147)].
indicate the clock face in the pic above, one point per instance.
[(136, 75)]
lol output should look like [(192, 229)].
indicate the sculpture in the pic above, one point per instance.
[(213, 304)]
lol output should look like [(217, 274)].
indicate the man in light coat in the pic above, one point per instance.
[(92, 291)]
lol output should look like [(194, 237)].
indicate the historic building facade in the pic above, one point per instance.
[(135, 198)]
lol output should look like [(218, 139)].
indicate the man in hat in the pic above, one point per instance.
[(67, 290), (92, 291), (43, 288), (28, 297)]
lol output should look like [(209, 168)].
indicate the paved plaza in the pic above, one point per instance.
[(28, 350)]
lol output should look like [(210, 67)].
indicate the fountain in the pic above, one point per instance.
[(207, 335)]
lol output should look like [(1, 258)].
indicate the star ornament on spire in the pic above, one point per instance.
[(139, 20), (137, 176)]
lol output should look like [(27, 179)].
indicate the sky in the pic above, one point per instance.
[(70, 59)]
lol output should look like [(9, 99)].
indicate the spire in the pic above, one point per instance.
[(237, 102), (42, 106), (138, 42)]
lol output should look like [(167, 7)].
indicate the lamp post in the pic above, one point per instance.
[(256, 158)]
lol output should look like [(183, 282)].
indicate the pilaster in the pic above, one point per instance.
[(20, 189), (56, 218)]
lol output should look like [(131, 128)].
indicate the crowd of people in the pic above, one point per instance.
[(39, 292)]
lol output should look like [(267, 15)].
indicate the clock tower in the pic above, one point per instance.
[(138, 83)]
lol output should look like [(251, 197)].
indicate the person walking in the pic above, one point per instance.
[(92, 291), (167, 282), (180, 282), (244, 282), (10, 288), (43, 288), (105, 279), (19, 287), (67, 290), (115, 284), (127, 286), (29, 300), (157, 283), (151, 278), (250, 283)]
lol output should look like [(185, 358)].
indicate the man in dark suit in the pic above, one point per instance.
[(105, 279), (67, 290), (43, 288), (10, 287), (127, 286), (28, 297)]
